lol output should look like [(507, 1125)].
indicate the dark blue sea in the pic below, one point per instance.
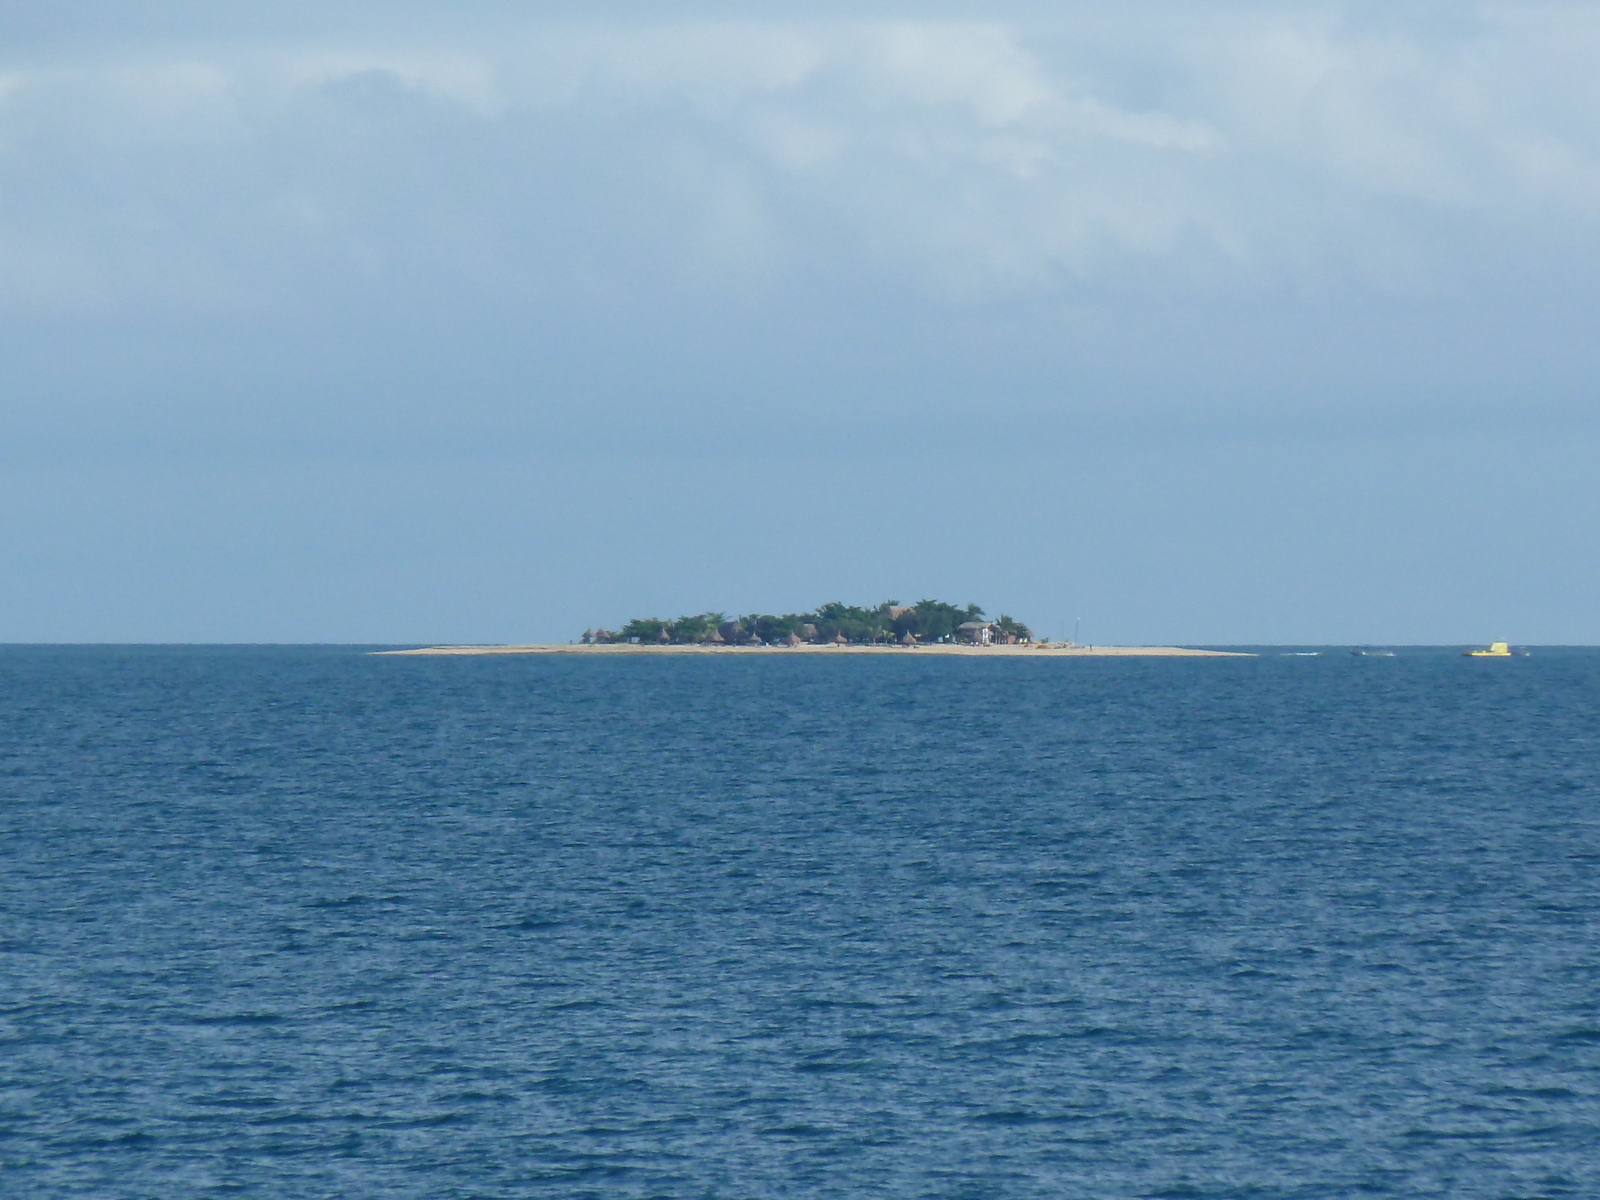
[(303, 922)]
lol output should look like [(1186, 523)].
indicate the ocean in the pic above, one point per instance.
[(304, 922)]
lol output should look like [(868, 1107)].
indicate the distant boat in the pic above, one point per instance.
[(1495, 650), (1302, 654), (1372, 653)]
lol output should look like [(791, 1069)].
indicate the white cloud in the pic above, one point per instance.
[(1294, 151), (459, 78), (1390, 115)]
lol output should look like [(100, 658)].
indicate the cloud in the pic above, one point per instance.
[(631, 184), (944, 144)]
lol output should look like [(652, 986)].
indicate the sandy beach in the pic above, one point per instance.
[(1024, 651)]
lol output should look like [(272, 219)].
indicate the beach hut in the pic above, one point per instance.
[(793, 639), (910, 639), (839, 639)]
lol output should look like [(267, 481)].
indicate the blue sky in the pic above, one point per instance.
[(1202, 322)]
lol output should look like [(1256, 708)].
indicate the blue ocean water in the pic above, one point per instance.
[(302, 922)]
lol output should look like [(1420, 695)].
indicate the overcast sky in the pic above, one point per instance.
[(1203, 322)]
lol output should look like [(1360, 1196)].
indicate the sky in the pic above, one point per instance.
[(1198, 323)]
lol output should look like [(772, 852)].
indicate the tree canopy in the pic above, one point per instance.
[(926, 621)]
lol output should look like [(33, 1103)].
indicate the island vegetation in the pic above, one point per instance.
[(926, 621)]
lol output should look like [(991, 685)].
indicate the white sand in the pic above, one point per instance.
[(1028, 651)]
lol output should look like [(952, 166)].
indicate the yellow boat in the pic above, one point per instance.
[(1495, 650)]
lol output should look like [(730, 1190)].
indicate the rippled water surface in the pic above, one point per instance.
[(309, 923)]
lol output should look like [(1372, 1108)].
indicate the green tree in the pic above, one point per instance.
[(931, 620), (856, 624), (696, 628), (640, 629), (1014, 627), (928, 620)]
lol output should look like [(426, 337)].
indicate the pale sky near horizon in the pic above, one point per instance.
[(1208, 323)]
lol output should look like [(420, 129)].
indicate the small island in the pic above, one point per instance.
[(926, 627)]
